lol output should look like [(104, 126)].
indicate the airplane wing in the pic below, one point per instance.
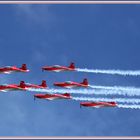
[(7, 72)]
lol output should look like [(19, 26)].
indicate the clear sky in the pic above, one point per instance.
[(92, 36)]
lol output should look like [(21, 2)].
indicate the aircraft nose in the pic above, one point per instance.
[(55, 84), (37, 95), (82, 103), (43, 69)]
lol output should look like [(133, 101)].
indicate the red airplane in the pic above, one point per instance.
[(57, 68), (70, 84), (12, 87), (53, 96), (98, 104), (10, 69), (22, 86), (28, 85)]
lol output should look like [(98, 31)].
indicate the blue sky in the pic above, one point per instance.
[(92, 36)]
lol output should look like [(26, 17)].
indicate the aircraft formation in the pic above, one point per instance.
[(23, 86)]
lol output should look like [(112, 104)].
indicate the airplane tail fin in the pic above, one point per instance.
[(66, 94), (85, 82), (22, 84), (43, 83), (24, 67), (72, 65)]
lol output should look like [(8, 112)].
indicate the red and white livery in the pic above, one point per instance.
[(53, 96), (10, 69), (43, 85), (22, 86), (70, 84), (98, 104), (12, 87), (58, 68)]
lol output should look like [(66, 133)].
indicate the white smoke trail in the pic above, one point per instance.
[(76, 91), (117, 88), (123, 100), (88, 91), (118, 72), (128, 106)]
